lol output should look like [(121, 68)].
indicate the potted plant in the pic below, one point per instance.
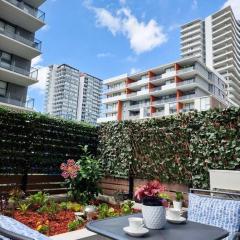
[(177, 203), (153, 210)]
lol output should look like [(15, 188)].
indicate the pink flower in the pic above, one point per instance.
[(152, 188), (69, 169)]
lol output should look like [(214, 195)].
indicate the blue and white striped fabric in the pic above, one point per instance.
[(12, 225), (217, 212)]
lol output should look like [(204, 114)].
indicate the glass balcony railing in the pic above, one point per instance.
[(164, 101), (33, 73), (187, 69), (32, 43), (186, 82), (187, 96), (28, 9), (16, 102)]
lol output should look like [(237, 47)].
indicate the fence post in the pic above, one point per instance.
[(131, 186), (24, 181)]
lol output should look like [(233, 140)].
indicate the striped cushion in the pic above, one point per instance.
[(217, 212), (12, 225)]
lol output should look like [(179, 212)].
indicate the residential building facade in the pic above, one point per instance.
[(216, 41), (19, 20), (91, 98), (181, 86), (72, 95)]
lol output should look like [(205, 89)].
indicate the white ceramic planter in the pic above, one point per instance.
[(154, 216), (177, 205)]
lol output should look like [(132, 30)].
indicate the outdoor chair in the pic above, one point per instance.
[(14, 230), (220, 209)]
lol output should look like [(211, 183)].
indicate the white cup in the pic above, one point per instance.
[(135, 223), (173, 213)]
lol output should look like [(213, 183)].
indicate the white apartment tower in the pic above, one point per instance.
[(91, 98), (216, 41), (181, 86), (19, 20), (72, 95)]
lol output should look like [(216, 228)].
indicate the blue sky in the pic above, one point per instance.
[(111, 37)]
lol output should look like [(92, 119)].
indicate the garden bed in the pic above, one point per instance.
[(51, 218)]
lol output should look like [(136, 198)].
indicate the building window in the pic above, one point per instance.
[(3, 88), (5, 59)]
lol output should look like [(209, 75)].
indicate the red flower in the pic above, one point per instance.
[(152, 188), (69, 169)]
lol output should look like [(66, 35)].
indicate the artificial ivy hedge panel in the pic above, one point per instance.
[(33, 142), (176, 149)]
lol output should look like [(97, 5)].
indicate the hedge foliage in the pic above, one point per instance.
[(35, 143), (175, 149)]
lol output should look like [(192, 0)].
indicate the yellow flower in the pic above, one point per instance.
[(39, 227)]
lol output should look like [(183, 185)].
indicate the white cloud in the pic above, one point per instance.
[(36, 61), (42, 74), (142, 36), (106, 19), (104, 55), (194, 4), (173, 27), (122, 1), (134, 70), (235, 4), (42, 79)]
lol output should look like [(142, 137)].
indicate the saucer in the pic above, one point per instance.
[(176, 220), (140, 232)]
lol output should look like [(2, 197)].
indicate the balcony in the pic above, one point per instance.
[(16, 75), (114, 98), (107, 119), (111, 110), (137, 106), (186, 97), (186, 82), (21, 14), (29, 104), (115, 89), (185, 110), (158, 114), (185, 70), (37, 13), (18, 45), (138, 83), (163, 101), (134, 117)]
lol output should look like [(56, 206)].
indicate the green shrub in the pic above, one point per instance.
[(83, 181), (74, 225), (175, 149), (38, 200)]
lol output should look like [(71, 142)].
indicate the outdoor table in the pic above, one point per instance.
[(113, 229)]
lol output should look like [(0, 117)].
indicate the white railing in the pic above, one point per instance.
[(184, 70), (143, 81), (190, 81), (164, 101)]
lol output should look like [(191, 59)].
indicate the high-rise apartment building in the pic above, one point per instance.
[(216, 41), (72, 95), (181, 86), (19, 20), (91, 98)]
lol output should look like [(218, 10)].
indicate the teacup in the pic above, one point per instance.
[(135, 223), (173, 213)]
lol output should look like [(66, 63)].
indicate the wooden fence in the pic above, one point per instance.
[(53, 184)]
